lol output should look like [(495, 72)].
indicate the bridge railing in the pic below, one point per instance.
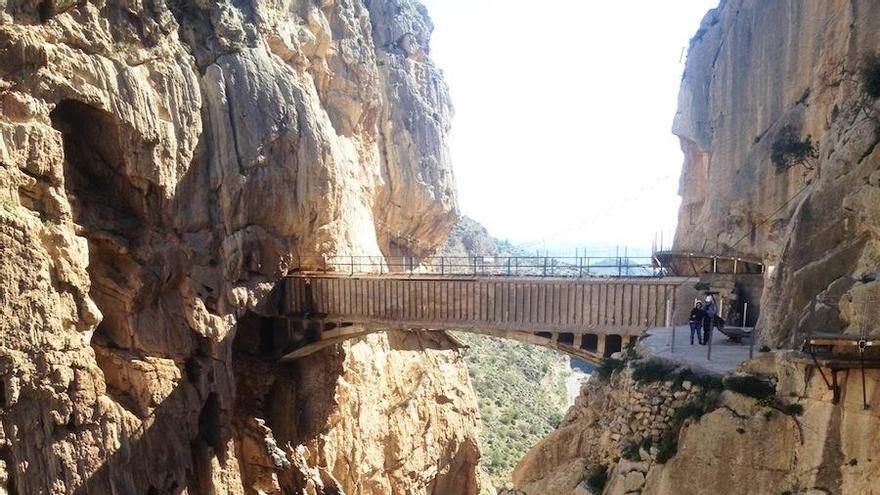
[(513, 266)]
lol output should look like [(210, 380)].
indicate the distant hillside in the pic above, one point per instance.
[(520, 387)]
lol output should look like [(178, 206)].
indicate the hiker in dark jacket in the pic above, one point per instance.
[(696, 322)]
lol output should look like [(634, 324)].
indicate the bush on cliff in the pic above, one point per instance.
[(608, 367), (652, 370), (788, 150), (751, 386), (667, 447), (630, 451), (706, 381), (870, 76), (597, 478)]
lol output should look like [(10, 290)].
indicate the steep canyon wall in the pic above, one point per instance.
[(755, 69), (163, 164)]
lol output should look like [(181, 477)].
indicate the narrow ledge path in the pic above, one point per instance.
[(726, 355)]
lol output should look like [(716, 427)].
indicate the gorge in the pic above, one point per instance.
[(165, 164)]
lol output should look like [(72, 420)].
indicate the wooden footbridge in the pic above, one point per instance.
[(567, 308)]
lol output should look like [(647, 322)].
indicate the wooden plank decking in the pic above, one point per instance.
[(617, 306)]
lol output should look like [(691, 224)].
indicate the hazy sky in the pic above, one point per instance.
[(563, 110)]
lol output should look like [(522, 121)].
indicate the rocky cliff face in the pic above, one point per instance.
[(754, 70), (716, 441), (163, 164)]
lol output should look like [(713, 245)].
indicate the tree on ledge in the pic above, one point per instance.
[(788, 151)]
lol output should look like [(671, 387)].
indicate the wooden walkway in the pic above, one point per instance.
[(574, 315)]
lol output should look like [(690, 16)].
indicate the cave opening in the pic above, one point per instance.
[(107, 207), (209, 422), (110, 213)]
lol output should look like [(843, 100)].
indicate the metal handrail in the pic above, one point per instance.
[(514, 266)]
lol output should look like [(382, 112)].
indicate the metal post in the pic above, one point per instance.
[(670, 323), (588, 266), (442, 267), (475, 265), (711, 332), (752, 340), (516, 268), (351, 262), (508, 266), (863, 344), (545, 266)]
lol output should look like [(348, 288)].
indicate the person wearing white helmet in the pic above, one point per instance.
[(711, 310)]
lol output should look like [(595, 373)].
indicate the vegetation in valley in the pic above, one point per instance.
[(522, 395)]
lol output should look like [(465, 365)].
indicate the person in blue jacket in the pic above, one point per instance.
[(709, 319)]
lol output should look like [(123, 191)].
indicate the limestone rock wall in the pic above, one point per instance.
[(753, 68), (745, 447), (162, 164), (606, 417), (739, 445)]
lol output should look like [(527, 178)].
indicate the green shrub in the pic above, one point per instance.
[(608, 367), (631, 350), (793, 409), (764, 348), (870, 75), (741, 430), (788, 150), (597, 478), (692, 409), (768, 414), (646, 443), (750, 385), (667, 447), (630, 451), (706, 381), (653, 370)]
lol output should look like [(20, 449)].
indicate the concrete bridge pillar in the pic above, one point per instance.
[(600, 345), (578, 339)]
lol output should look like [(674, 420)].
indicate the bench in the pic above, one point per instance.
[(736, 334)]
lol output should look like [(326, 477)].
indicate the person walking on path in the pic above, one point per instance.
[(709, 319), (696, 322)]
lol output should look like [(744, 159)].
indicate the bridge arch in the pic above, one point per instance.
[(547, 340)]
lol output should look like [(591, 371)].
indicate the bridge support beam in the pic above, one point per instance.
[(600, 345), (578, 340)]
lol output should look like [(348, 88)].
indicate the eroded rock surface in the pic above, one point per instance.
[(162, 164), (732, 444), (753, 69)]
